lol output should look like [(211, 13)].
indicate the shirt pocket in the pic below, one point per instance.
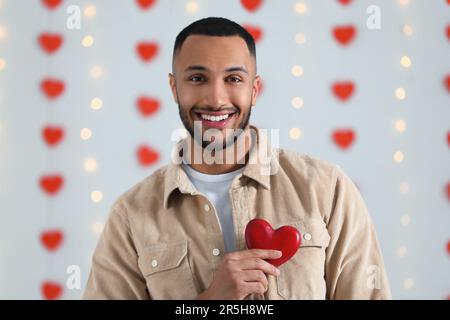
[(167, 272), (303, 276)]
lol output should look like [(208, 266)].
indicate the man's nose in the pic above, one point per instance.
[(216, 95)]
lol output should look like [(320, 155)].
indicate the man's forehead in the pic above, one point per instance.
[(229, 51)]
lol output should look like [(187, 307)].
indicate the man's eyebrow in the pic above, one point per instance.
[(202, 68)]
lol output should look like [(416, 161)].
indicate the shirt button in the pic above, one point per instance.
[(206, 207), (154, 263), (307, 236), (216, 252)]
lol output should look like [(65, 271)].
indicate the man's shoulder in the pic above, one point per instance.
[(311, 167), (147, 191)]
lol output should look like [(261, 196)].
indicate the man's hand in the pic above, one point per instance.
[(242, 273)]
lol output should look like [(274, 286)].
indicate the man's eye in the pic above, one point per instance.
[(196, 78), (234, 79)]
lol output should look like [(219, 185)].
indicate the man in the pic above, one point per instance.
[(179, 234)]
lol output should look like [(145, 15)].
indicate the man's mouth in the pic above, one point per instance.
[(216, 119)]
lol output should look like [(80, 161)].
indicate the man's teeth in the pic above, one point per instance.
[(214, 118)]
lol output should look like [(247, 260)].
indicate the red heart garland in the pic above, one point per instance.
[(147, 106), (52, 88), (345, 2), (52, 239), (343, 138), (447, 31), (447, 82), (51, 184), (343, 90), (251, 5), (447, 190), (50, 42), (51, 4), (344, 34), (255, 31), (52, 135), (448, 138), (259, 234), (147, 50), (145, 4), (51, 290), (147, 156)]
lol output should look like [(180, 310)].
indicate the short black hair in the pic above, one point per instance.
[(215, 26)]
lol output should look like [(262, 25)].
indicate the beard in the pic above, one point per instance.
[(228, 141)]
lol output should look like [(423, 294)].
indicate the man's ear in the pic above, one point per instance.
[(173, 87), (256, 89)]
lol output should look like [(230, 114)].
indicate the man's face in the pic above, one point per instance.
[(215, 85)]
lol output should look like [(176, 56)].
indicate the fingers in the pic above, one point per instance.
[(259, 264), (254, 287), (255, 253), (256, 276)]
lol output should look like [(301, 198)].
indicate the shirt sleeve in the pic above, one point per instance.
[(354, 267), (115, 273)]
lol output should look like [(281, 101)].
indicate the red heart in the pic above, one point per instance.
[(447, 31), (52, 135), (344, 138), (50, 42), (147, 156), (51, 184), (343, 90), (448, 138), (147, 106), (51, 290), (251, 5), (344, 34), (52, 88), (345, 2), (447, 190), (447, 82), (145, 4), (255, 31), (259, 234), (147, 50), (52, 239), (51, 4)]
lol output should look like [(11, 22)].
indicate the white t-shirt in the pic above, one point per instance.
[(215, 187)]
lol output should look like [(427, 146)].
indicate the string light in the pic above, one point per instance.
[(97, 227), (297, 102), (402, 251), (87, 41), (295, 133), (297, 71), (404, 187), (90, 11), (400, 94), (85, 134), (408, 283), (407, 30), (90, 165), (399, 156), (3, 33), (192, 7), (300, 8), (400, 125), (96, 196), (405, 220), (96, 104), (405, 61), (300, 38), (404, 2), (96, 72)]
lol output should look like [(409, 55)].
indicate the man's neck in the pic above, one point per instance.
[(239, 159)]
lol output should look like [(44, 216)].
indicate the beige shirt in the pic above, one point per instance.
[(163, 239)]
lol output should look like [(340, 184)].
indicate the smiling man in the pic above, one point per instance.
[(179, 233)]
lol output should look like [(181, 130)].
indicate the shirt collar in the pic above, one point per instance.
[(261, 164)]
